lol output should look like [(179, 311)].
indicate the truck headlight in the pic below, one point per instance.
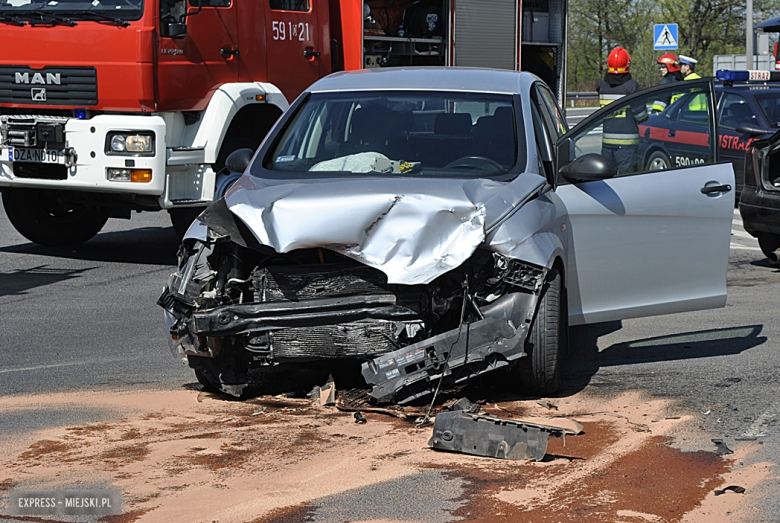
[(129, 175), (130, 143)]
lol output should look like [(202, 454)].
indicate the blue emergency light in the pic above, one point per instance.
[(81, 114), (726, 75), (729, 76)]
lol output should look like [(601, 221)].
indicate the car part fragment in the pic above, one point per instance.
[(456, 356), (412, 372), (494, 437)]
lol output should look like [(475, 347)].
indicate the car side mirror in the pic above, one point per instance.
[(746, 128), (587, 168), (177, 30), (238, 160)]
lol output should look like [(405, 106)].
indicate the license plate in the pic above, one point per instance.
[(16, 154)]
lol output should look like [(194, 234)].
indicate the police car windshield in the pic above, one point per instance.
[(770, 106), (396, 133)]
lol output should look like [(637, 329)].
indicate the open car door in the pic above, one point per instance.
[(647, 242)]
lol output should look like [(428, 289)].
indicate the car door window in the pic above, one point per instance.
[(636, 141), (544, 138), (735, 110), (693, 110), (559, 122), (290, 5)]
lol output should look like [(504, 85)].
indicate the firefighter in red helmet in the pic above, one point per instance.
[(669, 64), (670, 71), (620, 137)]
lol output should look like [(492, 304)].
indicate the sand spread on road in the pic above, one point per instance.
[(186, 455)]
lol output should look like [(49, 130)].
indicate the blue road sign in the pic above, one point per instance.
[(665, 37)]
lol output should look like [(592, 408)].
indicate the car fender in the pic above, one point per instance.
[(533, 234)]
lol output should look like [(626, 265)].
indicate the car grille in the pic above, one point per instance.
[(24, 85), (42, 171), (347, 340), (361, 339), (302, 282)]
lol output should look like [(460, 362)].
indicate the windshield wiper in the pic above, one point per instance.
[(15, 20), (55, 20), (118, 21)]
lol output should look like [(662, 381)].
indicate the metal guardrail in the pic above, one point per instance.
[(572, 96)]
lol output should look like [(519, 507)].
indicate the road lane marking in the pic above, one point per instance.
[(55, 365), (744, 247), (742, 235), (758, 428)]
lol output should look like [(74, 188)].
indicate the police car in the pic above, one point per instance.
[(748, 109)]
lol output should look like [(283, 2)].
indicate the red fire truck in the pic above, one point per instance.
[(114, 106)]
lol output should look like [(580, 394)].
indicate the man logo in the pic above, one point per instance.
[(38, 78), (38, 94)]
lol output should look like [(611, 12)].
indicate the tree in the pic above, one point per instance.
[(706, 28)]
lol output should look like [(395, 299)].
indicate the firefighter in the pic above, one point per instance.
[(620, 138), (687, 64), (670, 71)]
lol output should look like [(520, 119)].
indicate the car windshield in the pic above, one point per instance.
[(54, 10), (770, 105), (431, 133)]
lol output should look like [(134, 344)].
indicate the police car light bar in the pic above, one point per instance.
[(727, 75)]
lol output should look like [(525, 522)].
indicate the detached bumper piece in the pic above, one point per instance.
[(494, 437)]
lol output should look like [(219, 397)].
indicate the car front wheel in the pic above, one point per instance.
[(540, 370), (658, 161)]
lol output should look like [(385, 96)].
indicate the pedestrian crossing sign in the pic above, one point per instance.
[(665, 37)]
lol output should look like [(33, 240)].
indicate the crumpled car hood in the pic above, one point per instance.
[(413, 230)]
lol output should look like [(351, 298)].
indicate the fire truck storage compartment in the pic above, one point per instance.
[(504, 34), (543, 49), (536, 21), (405, 32)]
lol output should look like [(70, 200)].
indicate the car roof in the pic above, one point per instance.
[(426, 78), (745, 88)]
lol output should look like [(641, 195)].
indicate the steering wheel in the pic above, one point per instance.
[(474, 162)]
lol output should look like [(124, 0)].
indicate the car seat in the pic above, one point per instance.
[(372, 128), (452, 123), (495, 136)]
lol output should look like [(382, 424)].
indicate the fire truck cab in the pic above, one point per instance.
[(114, 106)]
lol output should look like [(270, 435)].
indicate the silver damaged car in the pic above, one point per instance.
[(439, 224)]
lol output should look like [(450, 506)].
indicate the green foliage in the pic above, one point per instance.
[(706, 28)]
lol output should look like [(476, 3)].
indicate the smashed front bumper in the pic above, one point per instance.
[(412, 339)]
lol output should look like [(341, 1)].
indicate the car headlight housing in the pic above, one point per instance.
[(133, 143)]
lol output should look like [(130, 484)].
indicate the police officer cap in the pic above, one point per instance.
[(688, 60)]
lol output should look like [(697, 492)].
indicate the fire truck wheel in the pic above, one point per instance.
[(46, 218), (658, 161), (540, 371), (181, 219)]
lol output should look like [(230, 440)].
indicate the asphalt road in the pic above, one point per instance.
[(85, 318)]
